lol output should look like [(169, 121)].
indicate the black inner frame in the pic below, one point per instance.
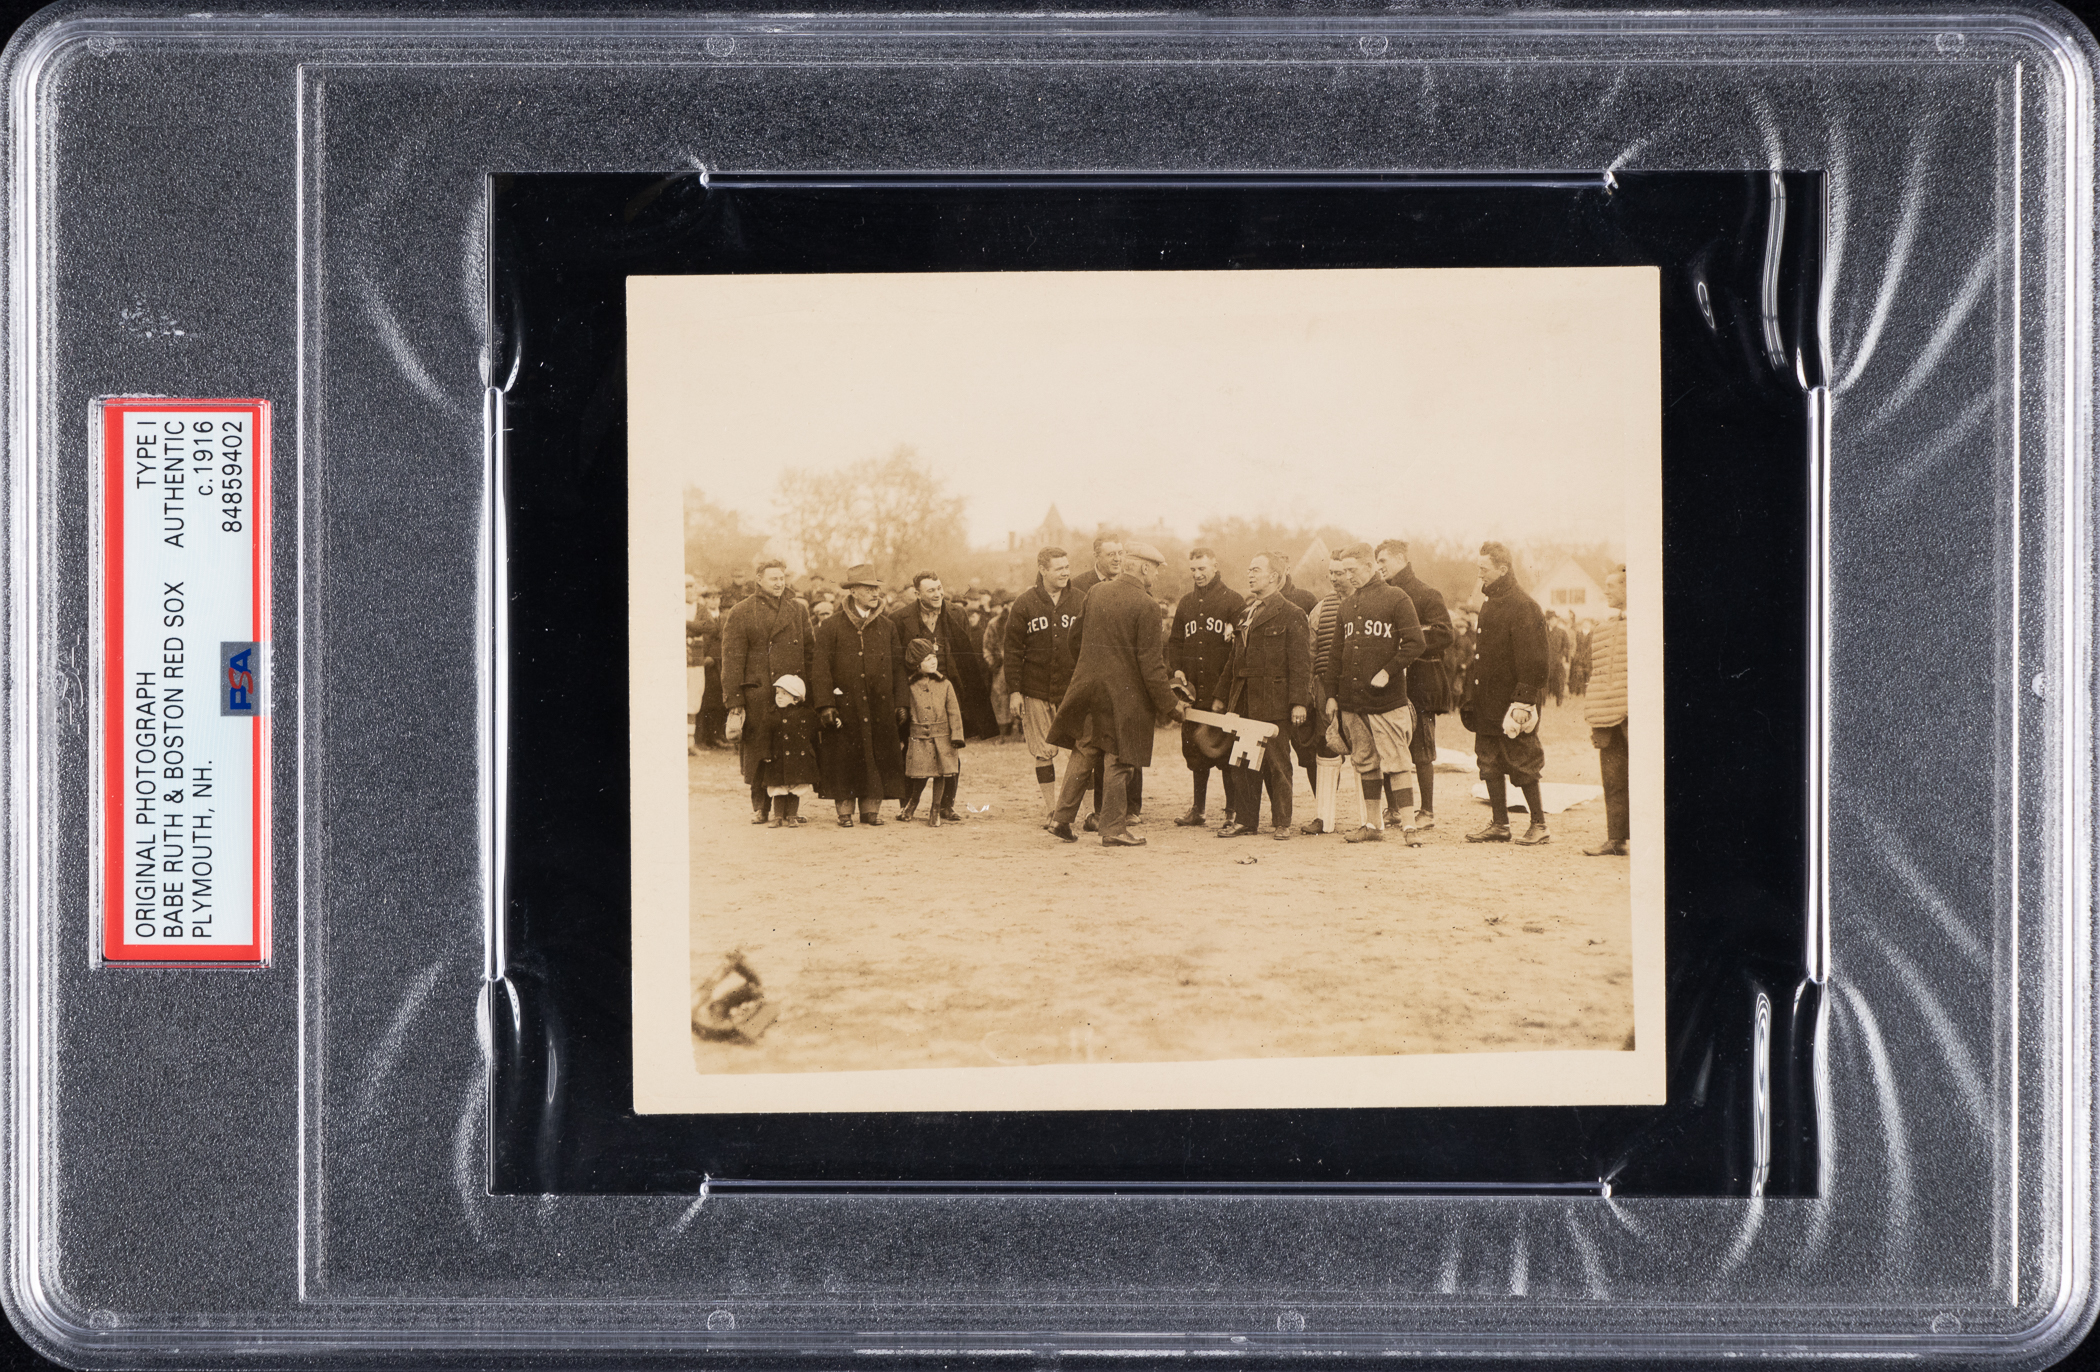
[(1740, 258)]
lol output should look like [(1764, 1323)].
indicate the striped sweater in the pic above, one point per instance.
[(1605, 705)]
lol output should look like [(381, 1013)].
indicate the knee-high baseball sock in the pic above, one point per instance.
[(1046, 778), (1425, 782), (1202, 788), (1401, 798), (1533, 804), (1372, 816), (1498, 797), (1330, 776)]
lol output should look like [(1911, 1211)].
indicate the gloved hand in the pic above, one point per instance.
[(831, 718)]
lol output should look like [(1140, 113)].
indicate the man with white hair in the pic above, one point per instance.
[(1119, 695)]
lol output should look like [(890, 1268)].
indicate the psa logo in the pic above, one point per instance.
[(240, 678)]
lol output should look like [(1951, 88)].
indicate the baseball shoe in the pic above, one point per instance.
[(1611, 847), (1234, 829), (1125, 841), (1533, 835), (1392, 818), (1491, 833), (1063, 832), (1312, 826), (1425, 819), (1411, 835), (1194, 819), (1368, 833)]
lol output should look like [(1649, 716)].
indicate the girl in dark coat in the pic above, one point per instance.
[(790, 765), (936, 735)]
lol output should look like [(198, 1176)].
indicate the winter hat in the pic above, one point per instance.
[(793, 686), (918, 652)]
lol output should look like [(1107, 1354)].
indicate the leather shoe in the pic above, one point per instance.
[(1490, 833), (1280, 834), (872, 820), (907, 814), (951, 816), (1091, 826), (1064, 832), (1368, 833), (758, 816), (1611, 847), (1425, 819), (1126, 841), (1312, 826), (1533, 835), (845, 821), (1192, 820), (1234, 829)]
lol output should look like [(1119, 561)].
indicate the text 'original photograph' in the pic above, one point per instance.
[(1146, 690)]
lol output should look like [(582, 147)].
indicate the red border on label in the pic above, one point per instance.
[(113, 949)]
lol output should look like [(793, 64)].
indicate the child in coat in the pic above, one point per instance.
[(790, 768), (936, 734)]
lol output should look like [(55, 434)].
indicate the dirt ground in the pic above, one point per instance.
[(990, 942)]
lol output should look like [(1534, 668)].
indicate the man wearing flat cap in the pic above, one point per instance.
[(1118, 696), (857, 685)]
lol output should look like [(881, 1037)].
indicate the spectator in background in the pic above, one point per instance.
[(1605, 709), (1560, 646), (1108, 556), (713, 712)]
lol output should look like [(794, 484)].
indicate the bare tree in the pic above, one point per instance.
[(716, 541), (891, 511)]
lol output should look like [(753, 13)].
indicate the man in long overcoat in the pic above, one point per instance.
[(1428, 681), (857, 685), (1268, 678), (1505, 692), (764, 639), (1118, 696)]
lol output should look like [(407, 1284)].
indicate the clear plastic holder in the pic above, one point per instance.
[(289, 1162)]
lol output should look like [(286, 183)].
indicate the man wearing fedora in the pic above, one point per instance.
[(857, 685), (1268, 679), (1118, 697)]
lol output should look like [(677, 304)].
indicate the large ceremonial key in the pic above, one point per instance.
[(1248, 735)]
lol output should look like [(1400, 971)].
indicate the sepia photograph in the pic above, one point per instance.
[(1146, 690)]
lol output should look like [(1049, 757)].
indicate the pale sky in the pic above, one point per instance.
[(1468, 404)]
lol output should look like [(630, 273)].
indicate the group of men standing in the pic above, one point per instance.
[(1358, 676)]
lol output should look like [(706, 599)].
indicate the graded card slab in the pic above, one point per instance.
[(185, 643)]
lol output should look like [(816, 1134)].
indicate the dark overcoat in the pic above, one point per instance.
[(1299, 596), (860, 673), (1119, 692), (1271, 665), (763, 640), (1509, 658), (1428, 682), (962, 662)]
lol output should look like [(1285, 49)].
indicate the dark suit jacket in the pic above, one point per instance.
[(1271, 665)]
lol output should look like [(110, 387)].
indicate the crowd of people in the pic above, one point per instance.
[(857, 693)]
